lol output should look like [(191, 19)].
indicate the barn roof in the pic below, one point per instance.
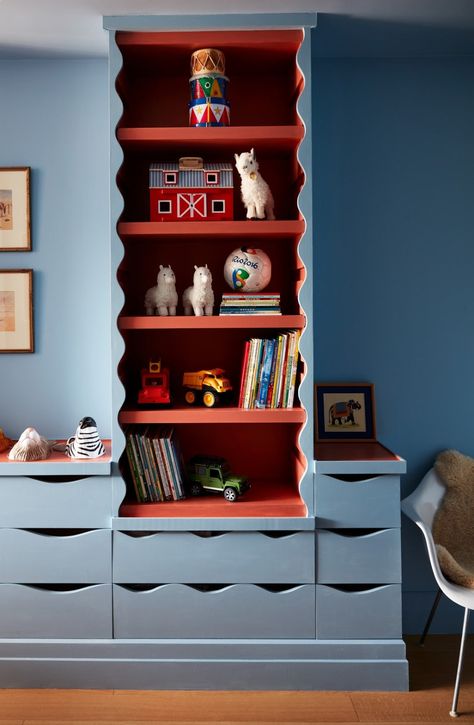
[(191, 178)]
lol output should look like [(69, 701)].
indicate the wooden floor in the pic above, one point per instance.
[(432, 671)]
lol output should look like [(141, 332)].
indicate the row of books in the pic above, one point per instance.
[(156, 464), (269, 371), (255, 303)]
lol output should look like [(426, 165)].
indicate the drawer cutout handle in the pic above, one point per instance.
[(57, 479), (353, 477), (355, 533), (58, 588), (355, 588)]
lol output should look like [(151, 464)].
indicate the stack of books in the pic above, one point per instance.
[(156, 464), (269, 370), (252, 303)]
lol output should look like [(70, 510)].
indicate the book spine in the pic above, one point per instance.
[(257, 372), (267, 365), (166, 460), (281, 370), (133, 469), (161, 468), (249, 374), (175, 465), (268, 400), (153, 467), (289, 367), (146, 469), (141, 474), (245, 362), (291, 393)]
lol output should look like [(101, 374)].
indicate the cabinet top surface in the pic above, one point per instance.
[(360, 457), (58, 464)]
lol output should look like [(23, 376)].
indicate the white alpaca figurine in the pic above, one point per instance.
[(200, 296), (256, 193), (163, 298)]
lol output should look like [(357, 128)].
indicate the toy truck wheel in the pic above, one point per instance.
[(209, 399), (190, 397), (230, 494), (195, 489)]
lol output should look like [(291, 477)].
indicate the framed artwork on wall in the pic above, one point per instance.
[(345, 412), (16, 310), (15, 234)]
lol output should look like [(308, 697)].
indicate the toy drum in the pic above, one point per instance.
[(207, 60), (211, 85), (209, 112)]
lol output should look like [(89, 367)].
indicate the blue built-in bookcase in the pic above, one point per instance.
[(297, 585)]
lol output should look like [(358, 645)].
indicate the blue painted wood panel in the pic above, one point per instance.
[(344, 557), (232, 557), (371, 502), (359, 614)]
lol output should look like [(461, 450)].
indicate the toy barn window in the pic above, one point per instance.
[(164, 207), (212, 178), (218, 206), (171, 178)]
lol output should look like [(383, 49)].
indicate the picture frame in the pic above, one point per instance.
[(345, 412), (16, 310), (15, 231)]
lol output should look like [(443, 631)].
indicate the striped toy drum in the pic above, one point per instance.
[(209, 112), (207, 60), (211, 85)]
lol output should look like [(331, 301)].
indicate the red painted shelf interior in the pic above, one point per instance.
[(184, 322), (265, 499), (353, 451), (264, 87), (199, 415), (60, 457), (216, 230)]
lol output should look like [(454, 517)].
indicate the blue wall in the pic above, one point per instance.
[(54, 118), (394, 220), (394, 259)]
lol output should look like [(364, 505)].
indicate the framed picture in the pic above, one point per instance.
[(16, 310), (345, 412), (15, 233)]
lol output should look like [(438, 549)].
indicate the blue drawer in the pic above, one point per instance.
[(353, 557), (40, 557), (32, 611), (236, 611), (231, 557), (374, 613), (357, 501)]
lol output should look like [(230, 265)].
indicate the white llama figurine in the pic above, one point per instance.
[(163, 298), (200, 296), (256, 193)]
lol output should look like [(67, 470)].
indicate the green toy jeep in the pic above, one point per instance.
[(209, 473)]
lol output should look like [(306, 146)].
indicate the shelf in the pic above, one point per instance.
[(217, 230), (58, 464), (265, 499), (356, 457), (212, 415), (276, 138), (225, 322)]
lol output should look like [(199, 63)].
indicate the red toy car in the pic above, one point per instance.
[(155, 388)]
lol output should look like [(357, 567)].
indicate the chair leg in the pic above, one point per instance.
[(430, 618), (454, 707)]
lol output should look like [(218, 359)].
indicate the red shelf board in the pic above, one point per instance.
[(285, 138), (284, 228), (190, 40), (353, 451), (264, 499), (182, 322), (60, 457), (212, 415)]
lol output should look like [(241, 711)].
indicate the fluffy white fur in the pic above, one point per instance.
[(256, 194), (200, 297), (163, 298), (30, 447)]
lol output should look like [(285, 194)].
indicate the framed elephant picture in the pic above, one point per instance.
[(345, 412)]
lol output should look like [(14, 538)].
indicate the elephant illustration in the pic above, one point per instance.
[(343, 412)]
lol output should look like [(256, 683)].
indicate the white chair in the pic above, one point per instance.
[(421, 507)]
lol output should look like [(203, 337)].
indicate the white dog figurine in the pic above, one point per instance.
[(163, 298), (256, 193), (200, 296)]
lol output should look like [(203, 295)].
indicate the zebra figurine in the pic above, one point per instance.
[(86, 443)]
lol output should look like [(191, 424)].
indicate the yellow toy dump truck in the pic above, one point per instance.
[(207, 386)]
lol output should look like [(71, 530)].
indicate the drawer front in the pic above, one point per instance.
[(231, 557), (85, 503), (237, 611), (351, 558), (42, 558), (29, 611), (362, 614), (372, 502)]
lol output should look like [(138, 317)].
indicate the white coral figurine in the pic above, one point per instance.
[(30, 447), (163, 298), (200, 296), (256, 193)]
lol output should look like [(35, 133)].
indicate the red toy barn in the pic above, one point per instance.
[(191, 190)]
